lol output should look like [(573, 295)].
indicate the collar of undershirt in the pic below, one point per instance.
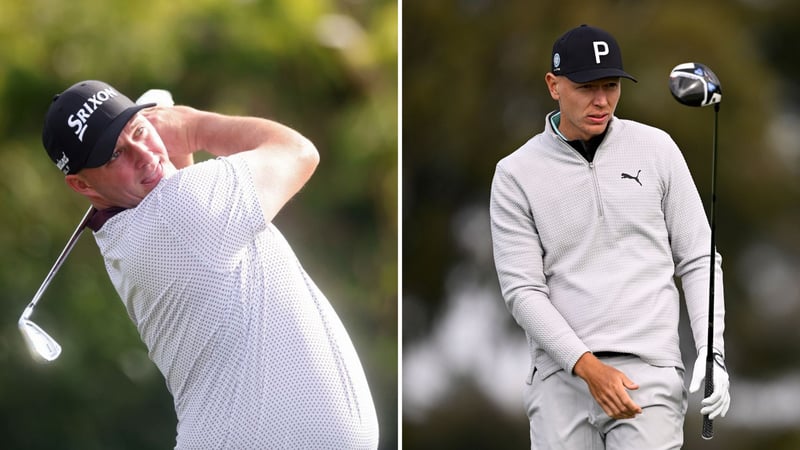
[(585, 148), (101, 216)]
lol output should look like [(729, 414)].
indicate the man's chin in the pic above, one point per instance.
[(596, 129), (168, 169)]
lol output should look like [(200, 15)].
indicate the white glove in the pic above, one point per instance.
[(160, 97), (719, 401)]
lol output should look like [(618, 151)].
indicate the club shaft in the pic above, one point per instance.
[(61, 258), (708, 424)]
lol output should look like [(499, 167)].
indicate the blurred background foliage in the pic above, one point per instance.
[(473, 92), (327, 68)]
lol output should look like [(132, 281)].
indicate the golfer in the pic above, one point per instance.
[(251, 351), (591, 221)]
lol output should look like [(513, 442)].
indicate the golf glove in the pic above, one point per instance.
[(719, 401), (160, 97)]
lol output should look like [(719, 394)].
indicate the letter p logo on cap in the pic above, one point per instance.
[(600, 49)]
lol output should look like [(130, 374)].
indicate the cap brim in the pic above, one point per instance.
[(586, 76), (104, 147)]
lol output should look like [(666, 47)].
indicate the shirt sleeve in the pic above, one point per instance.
[(518, 256), (214, 208), (690, 240)]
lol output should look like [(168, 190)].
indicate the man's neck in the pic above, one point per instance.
[(100, 217), (587, 148)]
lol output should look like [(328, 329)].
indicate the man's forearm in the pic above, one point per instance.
[(223, 135)]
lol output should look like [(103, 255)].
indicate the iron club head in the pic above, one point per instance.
[(694, 84), (39, 342)]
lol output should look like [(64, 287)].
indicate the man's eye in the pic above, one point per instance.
[(138, 132), (115, 155)]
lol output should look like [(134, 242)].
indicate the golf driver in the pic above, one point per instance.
[(40, 343), (694, 84)]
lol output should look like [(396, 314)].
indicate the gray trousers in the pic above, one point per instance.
[(564, 415)]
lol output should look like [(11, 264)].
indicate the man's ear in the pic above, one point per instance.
[(552, 85), (78, 184)]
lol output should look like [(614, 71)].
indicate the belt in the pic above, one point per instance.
[(610, 354)]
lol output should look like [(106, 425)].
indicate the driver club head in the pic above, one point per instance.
[(694, 84)]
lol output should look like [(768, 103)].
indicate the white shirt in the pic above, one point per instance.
[(251, 350)]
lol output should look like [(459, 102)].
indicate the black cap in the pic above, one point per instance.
[(83, 123), (585, 54)]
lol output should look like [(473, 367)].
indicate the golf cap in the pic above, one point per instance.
[(83, 123), (585, 54)]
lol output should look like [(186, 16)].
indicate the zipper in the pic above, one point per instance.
[(597, 195)]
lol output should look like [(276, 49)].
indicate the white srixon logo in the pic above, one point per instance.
[(79, 119), (600, 49)]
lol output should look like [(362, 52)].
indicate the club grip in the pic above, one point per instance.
[(708, 428), (708, 424)]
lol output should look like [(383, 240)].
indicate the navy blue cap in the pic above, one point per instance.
[(585, 54), (83, 123)]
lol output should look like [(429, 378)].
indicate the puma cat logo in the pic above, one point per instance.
[(631, 177)]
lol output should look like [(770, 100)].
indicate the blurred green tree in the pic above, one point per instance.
[(327, 68), (473, 92)]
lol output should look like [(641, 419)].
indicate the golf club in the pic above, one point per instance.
[(40, 343), (694, 84)]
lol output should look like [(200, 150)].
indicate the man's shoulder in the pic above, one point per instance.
[(528, 151), (211, 177), (628, 126), (176, 194)]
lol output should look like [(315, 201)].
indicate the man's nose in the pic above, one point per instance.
[(140, 154), (600, 97)]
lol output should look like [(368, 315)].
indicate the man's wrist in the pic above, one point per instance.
[(716, 355), (584, 361), (719, 359)]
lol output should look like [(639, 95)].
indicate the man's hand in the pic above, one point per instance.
[(719, 401), (166, 125), (608, 386), (175, 127)]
